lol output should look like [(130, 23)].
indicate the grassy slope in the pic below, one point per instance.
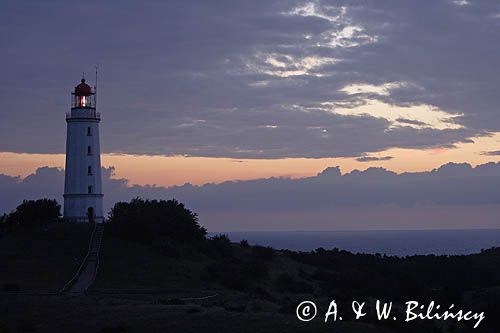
[(93, 313), (43, 260), (127, 268), (128, 265), (47, 259)]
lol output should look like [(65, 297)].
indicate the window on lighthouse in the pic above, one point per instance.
[(83, 101), (89, 131), (89, 170), (89, 189), (89, 150)]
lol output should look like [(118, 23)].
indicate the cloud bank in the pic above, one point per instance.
[(452, 196)]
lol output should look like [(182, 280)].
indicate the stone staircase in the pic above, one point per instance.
[(87, 271), (96, 243)]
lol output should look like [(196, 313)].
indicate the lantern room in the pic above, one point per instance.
[(83, 97)]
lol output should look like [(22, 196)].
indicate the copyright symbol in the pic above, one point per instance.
[(306, 311)]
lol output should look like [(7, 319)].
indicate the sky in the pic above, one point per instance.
[(214, 91)]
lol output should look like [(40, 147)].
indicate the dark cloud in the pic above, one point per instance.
[(373, 158), (44, 183), (491, 153), (213, 78), (453, 192), (411, 122)]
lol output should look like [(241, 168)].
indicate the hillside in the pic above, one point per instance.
[(42, 259), (225, 286), (137, 289)]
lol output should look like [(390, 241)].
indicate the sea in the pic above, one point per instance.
[(390, 242)]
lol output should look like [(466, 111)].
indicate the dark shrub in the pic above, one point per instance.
[(303, 274), (193, 309), (167, 247), (174, 301), (114, 329), (28, 327), (4, 228), (256, 307), (240, 274), (221, 244), (286, 282), (244, 243), (263, 253), (145, 220), (11, 288), (254, 268), (34, 213), (234, 307)]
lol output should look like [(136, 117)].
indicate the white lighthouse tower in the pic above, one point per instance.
[(83, 184)]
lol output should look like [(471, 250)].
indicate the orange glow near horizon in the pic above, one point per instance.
[(177, 170)]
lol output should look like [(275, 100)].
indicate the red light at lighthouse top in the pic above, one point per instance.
[(82, 96)]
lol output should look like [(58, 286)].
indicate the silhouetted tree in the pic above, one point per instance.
[(33, 213), (222, 245), (147, 220), (3, 224)]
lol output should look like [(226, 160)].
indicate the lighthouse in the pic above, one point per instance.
[(83, 183)]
